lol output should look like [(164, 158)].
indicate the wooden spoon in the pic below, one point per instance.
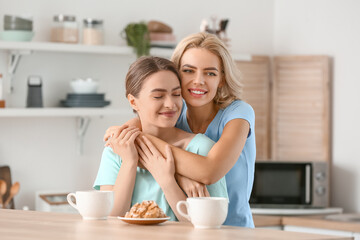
[(13, 191), (2, 190)]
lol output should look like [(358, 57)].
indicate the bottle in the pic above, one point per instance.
[(2, 101), (93, 33), (65, 29)]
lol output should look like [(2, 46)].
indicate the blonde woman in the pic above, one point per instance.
[(154, 92), (211, 87)]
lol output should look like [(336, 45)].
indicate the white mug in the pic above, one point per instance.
[(92, 204), (205, 212)]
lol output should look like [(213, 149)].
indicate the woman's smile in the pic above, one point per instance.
[(169, 114), (196, 92)]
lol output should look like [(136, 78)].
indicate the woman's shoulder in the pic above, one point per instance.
[(239, 104), (110, 156), (239, 107), (108, 151), (200, 144), (202, 138)]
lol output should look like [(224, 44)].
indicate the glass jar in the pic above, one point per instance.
[(65, 29), (93, 32)]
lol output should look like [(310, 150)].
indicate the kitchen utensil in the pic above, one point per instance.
[(64, 29), (18, 26), (34, 97), (2, 190), (90, 103), (17, 23), (92, 204), (205, 212), (5, 174), (85, 97), (13, 191), (93, 33), (85, 100), (16, 19), (84, 86), (144, 221), (16, 35)]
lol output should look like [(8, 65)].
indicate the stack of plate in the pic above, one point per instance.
[(84, 100)]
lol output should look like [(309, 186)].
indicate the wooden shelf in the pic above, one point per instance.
[(63, 112)]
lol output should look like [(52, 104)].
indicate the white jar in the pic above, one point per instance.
[(93, 32), (65, 29)]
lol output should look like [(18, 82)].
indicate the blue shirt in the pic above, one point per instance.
[(239, 179), (146, 187)]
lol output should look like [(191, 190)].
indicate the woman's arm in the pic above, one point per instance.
[(220, 159), (191, 187), (123, 189), (163, 170), (124, 146)]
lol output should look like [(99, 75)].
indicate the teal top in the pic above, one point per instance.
[(146, 187)]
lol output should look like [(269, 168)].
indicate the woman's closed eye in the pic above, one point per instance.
[(158, 97), (176, 93)]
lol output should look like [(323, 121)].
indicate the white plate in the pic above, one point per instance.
[(144, 221)]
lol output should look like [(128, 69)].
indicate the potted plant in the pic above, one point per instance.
[(137, 36)]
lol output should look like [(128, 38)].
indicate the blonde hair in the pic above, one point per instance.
[(232, 88)]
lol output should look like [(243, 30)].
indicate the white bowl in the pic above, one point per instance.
[(84, 86)]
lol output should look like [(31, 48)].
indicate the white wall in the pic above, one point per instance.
[(42, 151), (330, 27)]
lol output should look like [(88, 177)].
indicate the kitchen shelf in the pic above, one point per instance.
[(77, 48), (103, 49), (63, 112), (83, 116)]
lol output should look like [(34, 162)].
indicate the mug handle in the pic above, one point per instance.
[(178, 208), (69, 199)]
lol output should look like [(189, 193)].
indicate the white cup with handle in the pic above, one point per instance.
[(92, 204), (205, 212)]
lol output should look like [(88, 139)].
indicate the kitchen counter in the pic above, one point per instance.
[(318, 221), (321, 222), (18, 224), (267, 221)]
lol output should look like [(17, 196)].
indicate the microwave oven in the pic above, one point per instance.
[(290, 185)]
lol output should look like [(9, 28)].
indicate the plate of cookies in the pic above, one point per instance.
[(145, 213)]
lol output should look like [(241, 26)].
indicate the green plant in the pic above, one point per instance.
[(137, 36)]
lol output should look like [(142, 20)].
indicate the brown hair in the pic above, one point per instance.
[(142, 68), (232, 88)]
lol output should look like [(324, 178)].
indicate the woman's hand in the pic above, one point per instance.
[(191, 187), (124, 144), (162, 169), (115, 131)]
